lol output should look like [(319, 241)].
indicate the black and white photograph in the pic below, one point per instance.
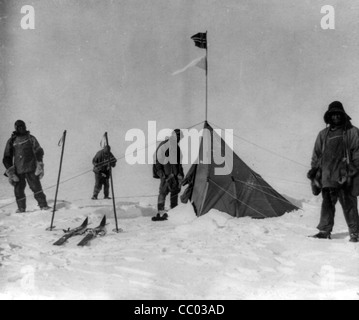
[(179, 150)]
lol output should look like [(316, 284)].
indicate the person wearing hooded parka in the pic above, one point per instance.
[(23, 160), (335, 171), (103, 163), (168, 168)]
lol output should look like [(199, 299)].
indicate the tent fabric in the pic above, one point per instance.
[(240, 193)]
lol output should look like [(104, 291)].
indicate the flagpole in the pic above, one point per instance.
[(112, 187), (201, 41), (58, 180), (206, 76)]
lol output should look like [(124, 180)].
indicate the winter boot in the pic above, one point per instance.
[(94, 197), (161, 216), (323, 235), (157, 217), (354, 238), (21, 210), (45, 208)]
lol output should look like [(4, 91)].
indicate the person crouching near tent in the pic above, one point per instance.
[(168, 168), (23, 160), (334, 172), (103, 161)]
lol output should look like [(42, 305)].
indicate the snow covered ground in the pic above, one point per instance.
[(212, 257)]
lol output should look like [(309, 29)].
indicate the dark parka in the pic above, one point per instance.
[(351, 143), (23, 152), (173, 166), (100, 162)]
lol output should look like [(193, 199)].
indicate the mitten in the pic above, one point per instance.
[(312, 173), (13, 178), (40, 170)]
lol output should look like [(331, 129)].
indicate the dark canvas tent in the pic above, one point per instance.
[(239, 192)]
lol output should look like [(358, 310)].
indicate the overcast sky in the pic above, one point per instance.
[(95, 66)]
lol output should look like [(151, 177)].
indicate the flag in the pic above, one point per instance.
[(200, 63), (200, 40)]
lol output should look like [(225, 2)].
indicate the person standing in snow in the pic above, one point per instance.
[(169, 169), (103, 161), (23, 160), (334, 172)]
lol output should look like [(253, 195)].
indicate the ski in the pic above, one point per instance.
[(100, 231), (71, 233)]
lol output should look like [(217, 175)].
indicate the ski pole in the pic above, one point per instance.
[(63, 140), (117, 230)]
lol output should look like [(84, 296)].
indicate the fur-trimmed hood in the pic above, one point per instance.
[(337, 107)]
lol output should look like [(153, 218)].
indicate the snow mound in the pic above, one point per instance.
[(182, 215), (216, 218)]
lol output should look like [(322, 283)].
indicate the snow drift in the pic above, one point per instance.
[(212, 257)]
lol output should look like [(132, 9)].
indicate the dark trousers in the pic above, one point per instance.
[(164, 191), (35, 186), (102, 181), (349, 204)]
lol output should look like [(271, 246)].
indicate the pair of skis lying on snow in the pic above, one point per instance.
[(91, 234)]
